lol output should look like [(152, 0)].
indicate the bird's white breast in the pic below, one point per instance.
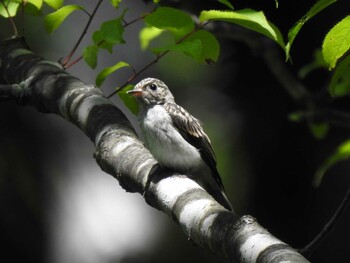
[(166, 144)]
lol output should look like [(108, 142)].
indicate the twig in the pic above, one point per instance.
[(12, 23), (81, 57), (66, 60), (126, 24), (136, 74), (310, 248)]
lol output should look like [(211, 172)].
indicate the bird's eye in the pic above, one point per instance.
[(153, 86)]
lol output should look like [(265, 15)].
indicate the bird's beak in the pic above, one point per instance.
[(135, 92)]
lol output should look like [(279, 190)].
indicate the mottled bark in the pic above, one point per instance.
[(44, 85)]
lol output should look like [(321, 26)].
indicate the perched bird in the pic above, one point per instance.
[(175, 138)]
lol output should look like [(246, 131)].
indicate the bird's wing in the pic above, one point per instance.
[(192, 131)]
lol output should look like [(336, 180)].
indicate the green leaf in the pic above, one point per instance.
[(11, 7), (251, 19), (201, 46), (226, 3), (112, 31), (319, 130), (156, 1), (337, 42), (55, 4), (177, 22), (210, 46), (115, 3), (340, 82), (33, 7), (189, 48), (129, 101), (315, 9), (147, 34), (99, 41), (55, 19), (107, 71), (342, 153), (90, 55)]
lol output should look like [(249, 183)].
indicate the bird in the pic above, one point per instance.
[(175, 138)]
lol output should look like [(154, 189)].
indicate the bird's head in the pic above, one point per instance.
[(151, 92)]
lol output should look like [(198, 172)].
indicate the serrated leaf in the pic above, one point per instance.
[(129, 101), (340, 82), (55, 19), (99, 41), (342, 153), (147, 34), (11, 7), (112, 31), (226, 3), (115, 3), (55, 4), (337, 42), (177, 22), (251, 19), (109, 70), (315, 9), (90, 55)]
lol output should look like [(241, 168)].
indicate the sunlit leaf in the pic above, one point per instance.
[(90, 55), (341, 153), (107, 71), (337, 42), (171, 19), (115, 3), (11, 7), (251, 19), (129, 101), (226, 3), (55, 4), (315, 9), (340, 82), (55, 19), (147, 34)]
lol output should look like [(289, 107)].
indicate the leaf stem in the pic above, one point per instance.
[(91, 16), (11, 21)]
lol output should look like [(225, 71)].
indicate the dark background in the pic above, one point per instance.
[(57, 206)]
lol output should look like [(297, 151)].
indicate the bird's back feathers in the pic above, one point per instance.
[(192, 131)]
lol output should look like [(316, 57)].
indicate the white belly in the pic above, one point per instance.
[(165, 143)]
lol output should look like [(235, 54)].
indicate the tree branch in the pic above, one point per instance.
[(119, 152), (310, 248)]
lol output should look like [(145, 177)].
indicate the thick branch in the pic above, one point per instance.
[(45, 86)]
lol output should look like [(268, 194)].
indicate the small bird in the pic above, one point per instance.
[(175, 138)]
